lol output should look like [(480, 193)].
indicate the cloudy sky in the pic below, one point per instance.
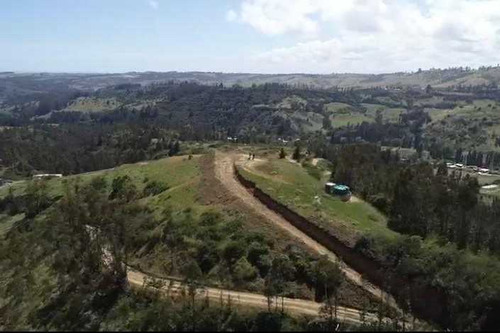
[(269, 36)]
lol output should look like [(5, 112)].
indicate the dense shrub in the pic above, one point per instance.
[(154, 188)]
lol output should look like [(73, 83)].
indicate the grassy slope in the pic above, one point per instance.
[(389, 114), (291, 184), (174, 171), (475, 124), (179, 173), (342, 114), (184, 178), (86, 104), (7, 221)]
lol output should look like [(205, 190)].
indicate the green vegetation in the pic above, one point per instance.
[(341, 114), (128, 213), (7, 221), (448, 243), (174, 172), (294, 186), (420, 224), (76, 149), (473, 125), (86, 104)]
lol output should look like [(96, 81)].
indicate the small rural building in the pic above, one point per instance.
[(47, 176)]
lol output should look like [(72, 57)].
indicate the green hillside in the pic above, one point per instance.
[(172, 219), (293, 185)]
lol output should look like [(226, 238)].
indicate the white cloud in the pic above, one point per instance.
[(154, 4), (374, 35), (276, 16)]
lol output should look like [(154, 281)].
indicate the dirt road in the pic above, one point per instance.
[(293, 306), (224, 164)]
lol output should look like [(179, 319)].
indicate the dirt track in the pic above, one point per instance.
[(295, 306), (224, 171)]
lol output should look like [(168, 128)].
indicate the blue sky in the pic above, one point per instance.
[(118, 35), (272, 36)]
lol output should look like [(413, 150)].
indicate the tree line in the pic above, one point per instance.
[(449, 237), (70, 149)]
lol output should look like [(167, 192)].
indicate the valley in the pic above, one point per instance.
[(163, 171)]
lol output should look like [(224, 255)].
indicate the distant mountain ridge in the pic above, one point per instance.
[(437, 78)]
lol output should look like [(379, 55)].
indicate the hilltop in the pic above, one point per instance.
[(439, 78)]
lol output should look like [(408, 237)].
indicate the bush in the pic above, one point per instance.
[(233, 251), (381, 202), (256, 250), (314, 172), (282, 153), (123, 188), (296, 153), (244, 271), (154, 188)]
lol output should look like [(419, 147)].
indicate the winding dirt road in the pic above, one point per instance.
[(290, 305), (224, 170)]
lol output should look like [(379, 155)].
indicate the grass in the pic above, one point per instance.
[(288, 102), (179, 173), (294, 186), (349, 119), (336, 107), (473, 126), (429, 100), (342, 114), (389, 114), (7, 221), (438, 114), (86, 104), (184, 179), (478, 109)]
